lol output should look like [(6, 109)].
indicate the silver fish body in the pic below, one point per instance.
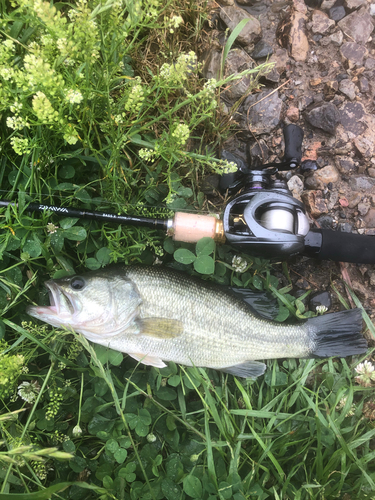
[(157, 315)]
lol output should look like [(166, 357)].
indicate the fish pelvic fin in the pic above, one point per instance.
[(337, 334), (248, 369), (160, 328), (146, 359)]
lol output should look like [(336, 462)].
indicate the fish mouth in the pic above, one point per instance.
[(61, 305)]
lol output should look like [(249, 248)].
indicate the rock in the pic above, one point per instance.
[(351, 116), (304, 102), (370, 63), (354, 4), (295, 185), (324, 116), (364, 85), (280, 58), (308, 166), (264, 112), (363, 208), (353, 54), (210, 184), (370, 218), (212, 65), (313, 183), (237, 61), (299, 45), (325, 221), (330, 89), (365, 145), (336, 38), (345, 164), (321, 23), (314, 202), (357, 26), (337, 13), (234, 15), (348, 88), (246, 3), (354, 199), (372, 9), (261, 49), (361, 183), (257, 154), (292, 114), (320, 299), (327, 174), (371, 172), (226, 3), (345, 227)]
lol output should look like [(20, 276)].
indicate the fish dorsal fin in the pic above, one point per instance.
[(160, 328), (261, 303), (146, 359), (247, 369)]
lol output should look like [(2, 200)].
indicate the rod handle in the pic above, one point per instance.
[(293, 136), (191, 227), (338, 246)]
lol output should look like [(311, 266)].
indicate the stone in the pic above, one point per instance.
[(353, 54), (261, 50), (226, 3), (314, 202), (320, 299), (330, 89), (363, 208), (345, 227), (354, 4), (371, 172), (324, 116), (327, 174), (337, 13), (257, 154), (246, 3), (351, 116), (295, 185), (336, 38), (212, 64), (370, 218), (365, 146), (237, 61), (364, 85), (280, 58), (264, 110), (305, 101), (354, 199), (325, 221), (357, 26), (299, 45), (345, 164), (292, 114), (362, 183), (348, 88), (370, 63), (321, 23), (308, 166), (313, 182), (233, 15), (372, 9)]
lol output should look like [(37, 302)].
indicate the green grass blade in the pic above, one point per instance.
[(237, 30)]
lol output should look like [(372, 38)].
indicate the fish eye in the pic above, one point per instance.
[(77, 283)]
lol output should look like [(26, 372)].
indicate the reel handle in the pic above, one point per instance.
[(293, 137), (326, 244)]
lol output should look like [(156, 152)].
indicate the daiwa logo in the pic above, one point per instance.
[(54, 209)]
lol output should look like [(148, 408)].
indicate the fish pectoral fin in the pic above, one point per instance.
[(247, 369), (146, 359), (160, 328)]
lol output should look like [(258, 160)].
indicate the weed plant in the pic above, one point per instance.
[(102, 106)]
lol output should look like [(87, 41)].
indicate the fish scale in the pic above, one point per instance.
[(156, 315)]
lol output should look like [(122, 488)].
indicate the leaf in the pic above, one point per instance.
[(32, 247), (82, 195), (68, 222), (92, 264), (69, 446), (184, 256), (77, 464), (107, 482), (168, 245), (257, 282), (120, 455), (115, 357), (76, 233), (48, 492), (204, 264), (112, 445), (170, 490), (57, 241), (103, 256), (192, 486), (205, 246), (237, 30), (66, 172)]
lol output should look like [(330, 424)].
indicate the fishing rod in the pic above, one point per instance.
[(262, 218)]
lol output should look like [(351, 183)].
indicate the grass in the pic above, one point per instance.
[(102, 107)]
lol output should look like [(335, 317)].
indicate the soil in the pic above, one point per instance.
[(325, 85)]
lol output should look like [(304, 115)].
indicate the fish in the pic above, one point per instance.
[(156, 314)]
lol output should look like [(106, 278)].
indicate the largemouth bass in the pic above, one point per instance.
[(156, 315)]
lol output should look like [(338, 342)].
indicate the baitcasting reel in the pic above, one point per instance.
[(265, 219)]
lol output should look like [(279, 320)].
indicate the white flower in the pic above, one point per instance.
[(365, 368), (151, 438), (28, 391), (239, 264), (74, 96), (77, 431), (321, 309)]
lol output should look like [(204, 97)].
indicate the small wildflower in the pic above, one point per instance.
[(51, 228), (173, 23), (151, 438), (77, 431), (341, 404), (177, 73), (43, 108), (366, 373), (56, 399), (74, 96), (20, 145), (181, 134), (135, 99), (321, 309), (194, 458), (239, 264), (147, 154), (28, 391)]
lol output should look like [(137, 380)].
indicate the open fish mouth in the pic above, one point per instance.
[(61, 305)]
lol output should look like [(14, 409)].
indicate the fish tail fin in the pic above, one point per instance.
[(337, 334)]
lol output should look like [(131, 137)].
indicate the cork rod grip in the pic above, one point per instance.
[(191, 228)]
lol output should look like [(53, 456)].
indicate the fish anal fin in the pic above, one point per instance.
[(160, 328), (147, 359), (247, 369)]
